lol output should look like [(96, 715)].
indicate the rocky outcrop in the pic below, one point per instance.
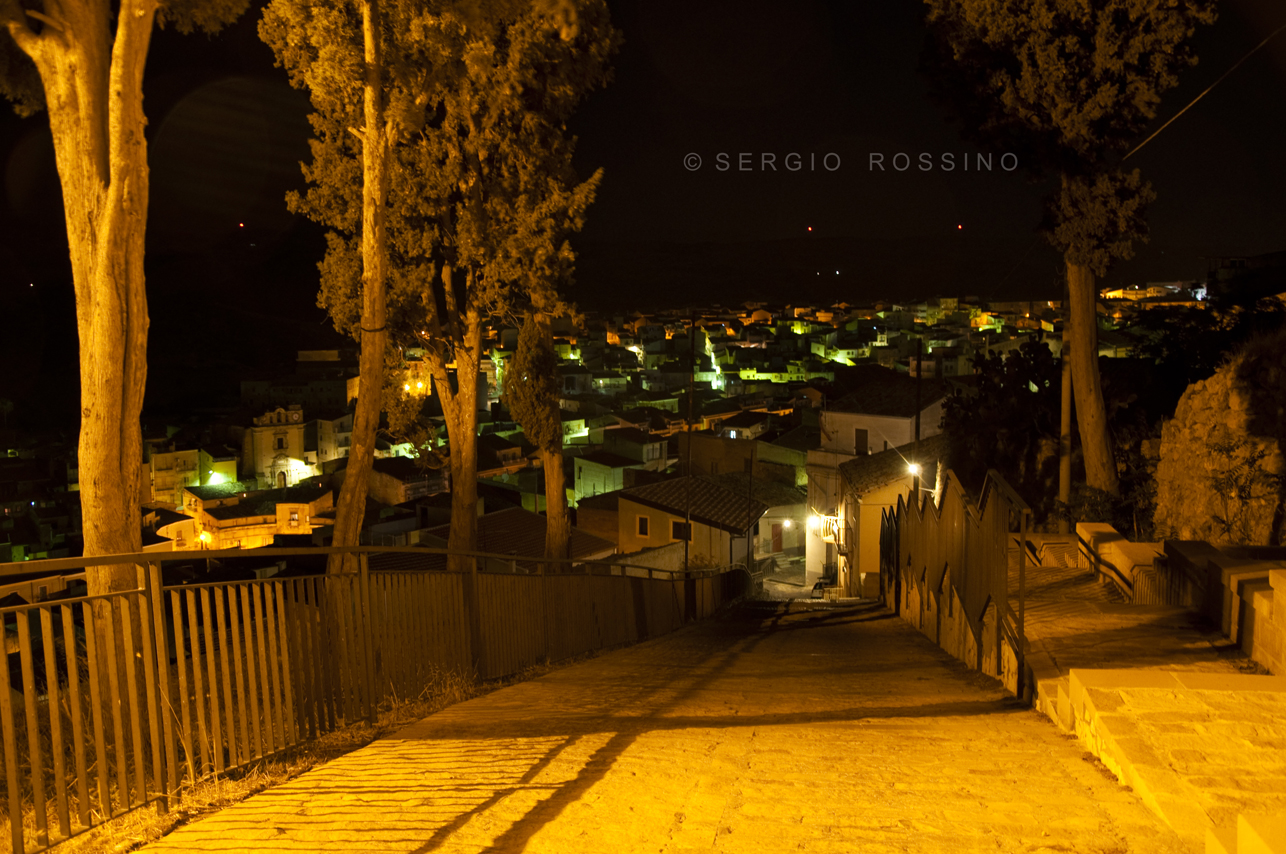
[(1217, 479)]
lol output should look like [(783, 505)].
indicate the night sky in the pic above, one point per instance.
[(232, 276)]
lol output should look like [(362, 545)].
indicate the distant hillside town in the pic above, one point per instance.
[(732, 430)]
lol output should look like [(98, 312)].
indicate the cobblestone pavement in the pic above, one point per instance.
[(767, 729)]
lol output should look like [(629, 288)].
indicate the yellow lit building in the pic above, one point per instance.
[(218, 517)]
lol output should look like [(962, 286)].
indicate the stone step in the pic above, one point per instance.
[(1156, 729), (1254, 834)]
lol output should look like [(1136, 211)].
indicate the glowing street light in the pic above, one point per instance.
[(914, 469)]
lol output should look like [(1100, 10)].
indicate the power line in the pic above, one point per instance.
[(1208, 88)]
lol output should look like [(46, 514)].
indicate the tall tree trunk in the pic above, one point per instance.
[(94, 94), (558, 531), (1091, 414), (366, 420), (93, 83), (463, 418), (93, 91)]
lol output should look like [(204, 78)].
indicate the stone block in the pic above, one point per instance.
[(1109, 679), (1229, 681), (1261, 834), (1221, 840)]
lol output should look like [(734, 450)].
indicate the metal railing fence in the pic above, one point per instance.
[(120, 700)]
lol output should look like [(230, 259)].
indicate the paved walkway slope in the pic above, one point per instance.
[(771, 729)]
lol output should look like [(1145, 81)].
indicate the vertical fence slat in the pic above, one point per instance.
[(269, 742), (358, 656), (33, 729), (77, 722), (96, 709), (198, 684), (12, 768), (335, 600), (131, 694), (221, 625), (247, 613), (366, 636), (239, 670), (312, 609), (212, 679), (274, 664), (302, 616), (55, 719), (352, 633), (181, 664), (147, 646), (410, 656), (156, 584), (121, 752), (290, 731), (325, 659)]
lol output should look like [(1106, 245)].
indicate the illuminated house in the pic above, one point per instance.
[(601, 471), (655, 514), (168, 472), (878, 415), (220, 517)]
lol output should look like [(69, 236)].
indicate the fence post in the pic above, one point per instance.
[(368, 635), (1022, 592), (472, 608), (544, 609), (152, 620)]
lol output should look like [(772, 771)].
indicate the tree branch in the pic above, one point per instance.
[(13, 17)]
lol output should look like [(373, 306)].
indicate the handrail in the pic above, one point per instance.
[(1104, 566), (54, 565)]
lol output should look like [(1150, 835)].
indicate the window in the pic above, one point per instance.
[(678, 530), (281, 443), (642, 526)]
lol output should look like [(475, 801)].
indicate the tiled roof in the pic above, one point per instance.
[(631, 434), (881, 391), (603, 501), (265, 503), (745, 419), (712, 504), (610, 460), (866, 473), (774, 493), (803, 438), (514, 531), (217, 491)]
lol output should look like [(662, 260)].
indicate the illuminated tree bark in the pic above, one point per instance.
[(1091, 415), (92, 81), (351, 507)]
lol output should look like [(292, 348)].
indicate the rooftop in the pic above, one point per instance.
[(712, 504), (866, 473)]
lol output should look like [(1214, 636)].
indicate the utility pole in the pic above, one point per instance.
[(915, 452), (692, 393), (1065, 421)]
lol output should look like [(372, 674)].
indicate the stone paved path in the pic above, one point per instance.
[(820, 730)]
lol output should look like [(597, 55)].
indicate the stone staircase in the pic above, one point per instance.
[(1163, 699)]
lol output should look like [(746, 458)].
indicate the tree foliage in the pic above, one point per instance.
[(533, 385), (1010, 424), (482, 193), (532, 388), (1072, 84)]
